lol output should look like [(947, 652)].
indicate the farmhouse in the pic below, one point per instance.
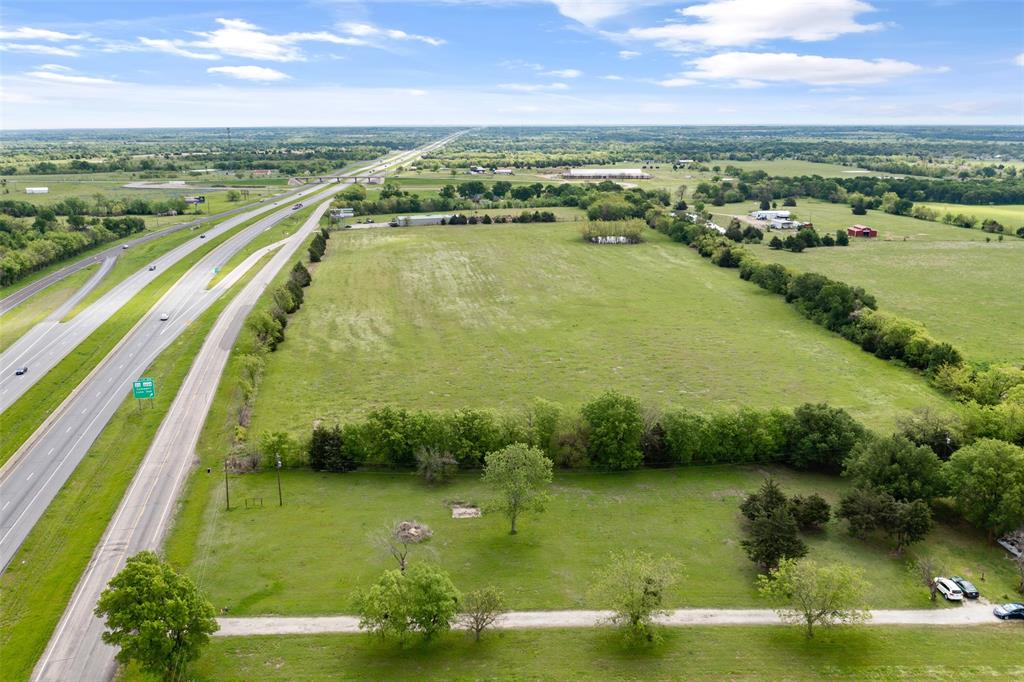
[(861, 231), (769, 215), (783, 224), (606, 174), (37, 190), (411, 220)]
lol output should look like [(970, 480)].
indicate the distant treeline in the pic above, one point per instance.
[(26, 249)]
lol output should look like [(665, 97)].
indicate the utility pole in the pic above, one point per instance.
[(280, 500), (227, 493)]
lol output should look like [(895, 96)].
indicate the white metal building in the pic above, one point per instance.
[(37, 190), (410, 220), (769, 215), (606, 174)]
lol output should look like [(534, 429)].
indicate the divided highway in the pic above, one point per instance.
[(37, 471), (29, 290), (76, 651), (47, 343)]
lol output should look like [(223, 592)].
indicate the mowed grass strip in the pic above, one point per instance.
[(23, 417), (33, 310), (312, 555), (44, 572), (495, 316), (700, 653)]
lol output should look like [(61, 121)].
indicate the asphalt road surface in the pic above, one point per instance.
[(76, 651), (49, 342)]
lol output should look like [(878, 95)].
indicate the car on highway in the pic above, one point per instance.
[(124, 246), (296, 207), (966, 586), (202, 236), (948, 589), (164, 317), (152, 268), (1007, 611), (21, 370)]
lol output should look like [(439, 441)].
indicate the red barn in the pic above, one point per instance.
[(861, 231)]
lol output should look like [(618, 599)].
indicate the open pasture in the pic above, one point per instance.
[(495, 316)]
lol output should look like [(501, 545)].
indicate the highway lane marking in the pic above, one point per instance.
[(5, 505), (29, 477), (50, 452)]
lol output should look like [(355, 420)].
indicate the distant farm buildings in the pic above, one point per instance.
[(769, 215), (606, 174), (411, 220), (783, 224), (37, 190), (263, 171), (861, 231), (503, 171)]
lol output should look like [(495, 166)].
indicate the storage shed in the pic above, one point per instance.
[(861, 231)]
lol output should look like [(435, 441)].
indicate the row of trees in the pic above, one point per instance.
[(24, 250), (100, 205), (631, 230), (610, 432)]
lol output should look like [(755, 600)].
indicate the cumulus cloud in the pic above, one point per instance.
[(533, 87), (69, 78), (677, 82), (362, 30), (239, 38), (1019, 59), (749, 69), (728, 23), (250, 73), (35, 48), (563, 73), (27, 33), (628, 54), (176, 47), (53, 67), (612, 77)]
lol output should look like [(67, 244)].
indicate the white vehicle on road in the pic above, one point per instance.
[(949, 589), (164, 317)]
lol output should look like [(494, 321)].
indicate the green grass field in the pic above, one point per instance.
[(1010, 215), (44, 572), (312, 554), (30, 312), (727, 653), (494, 316), (795, 167), (964, 289)]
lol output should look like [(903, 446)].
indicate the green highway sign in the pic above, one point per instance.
[(144, 388)]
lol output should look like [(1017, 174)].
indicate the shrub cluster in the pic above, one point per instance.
[(632, 230), (610, 432)]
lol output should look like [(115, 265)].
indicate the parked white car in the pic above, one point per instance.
[(949, 589)]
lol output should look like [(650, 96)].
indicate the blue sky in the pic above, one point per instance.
[(82, 63)]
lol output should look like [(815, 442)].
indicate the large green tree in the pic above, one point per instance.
[(615, 430), (518, 476), (773, 537), (633, 584), (896, 466), (156, 617), (986, 479), (423, 599), (816, 595)]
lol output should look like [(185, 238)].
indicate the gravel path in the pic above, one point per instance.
[(973, 614)]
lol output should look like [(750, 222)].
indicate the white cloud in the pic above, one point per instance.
[(533, 87), (52, 67), (239, 38), (1019, 59), (250, 73), (26, 33), (592, 12), (66, 78), (628, 54), (612, 77), (725, 23), (677, 82), (33, 48), (563, 73), (363, 30), (747, 68), (176, 47)]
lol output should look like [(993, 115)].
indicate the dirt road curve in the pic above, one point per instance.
[(272, 625)]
